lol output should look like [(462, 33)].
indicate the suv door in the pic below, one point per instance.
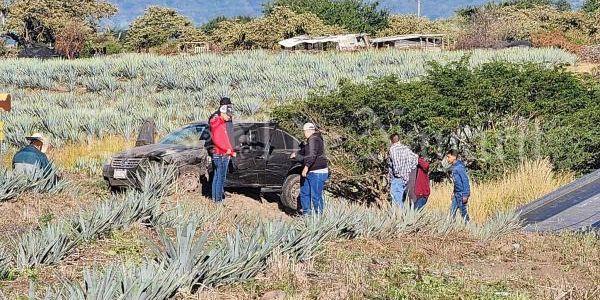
[(250, 145), (279, 164)]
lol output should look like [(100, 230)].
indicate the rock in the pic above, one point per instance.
[(273, 295), (516, 247)]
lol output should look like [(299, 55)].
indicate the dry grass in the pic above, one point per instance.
[(67, 156), (529, 182)]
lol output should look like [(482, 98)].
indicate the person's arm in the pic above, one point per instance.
[(465, 183), (310, 154), (456, 177), (394, 163), (299, 155), (219, 140), (424, 165)]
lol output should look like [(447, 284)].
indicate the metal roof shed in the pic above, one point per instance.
[(346, 42), (409, 41)]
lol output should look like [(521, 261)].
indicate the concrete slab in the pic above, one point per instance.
[(575, 206)]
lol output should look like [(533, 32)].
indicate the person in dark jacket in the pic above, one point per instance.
[(315, 171), (462, 188), (32, 158), (222, 152)]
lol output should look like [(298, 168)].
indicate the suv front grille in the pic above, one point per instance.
[(125, 163)]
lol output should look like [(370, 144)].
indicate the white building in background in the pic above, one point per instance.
[(345, 42)]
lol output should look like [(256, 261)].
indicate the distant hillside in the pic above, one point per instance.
[(203, 10)]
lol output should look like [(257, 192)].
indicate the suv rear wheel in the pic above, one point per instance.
[(189, 179), (290, 192)]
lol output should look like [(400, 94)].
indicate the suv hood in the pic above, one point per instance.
[(154, 150)]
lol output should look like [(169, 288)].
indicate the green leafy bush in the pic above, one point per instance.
[(498, 114)]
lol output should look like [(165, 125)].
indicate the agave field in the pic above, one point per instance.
[(189, 257), (190, 249), (90, 98)]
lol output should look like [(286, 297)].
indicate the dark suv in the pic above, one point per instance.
[(263, 160)]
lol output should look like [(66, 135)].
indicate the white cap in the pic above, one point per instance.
[(309, 126), (39, 137)]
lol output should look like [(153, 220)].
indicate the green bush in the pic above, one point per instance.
[(498, 114)]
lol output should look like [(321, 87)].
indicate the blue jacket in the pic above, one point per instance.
[(32, 156), (461, 179)]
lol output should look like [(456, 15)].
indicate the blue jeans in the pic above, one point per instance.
[(420, 203), (457, 203), (220, 166), (311, 192), (398, 189)]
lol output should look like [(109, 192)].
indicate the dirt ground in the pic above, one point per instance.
[(421, 266)]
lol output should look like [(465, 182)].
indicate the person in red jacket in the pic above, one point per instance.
[(422, 188), (222, 152)]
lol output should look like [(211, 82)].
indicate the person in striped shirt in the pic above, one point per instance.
[(402, 161)]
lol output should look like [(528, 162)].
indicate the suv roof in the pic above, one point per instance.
[(235, 122)]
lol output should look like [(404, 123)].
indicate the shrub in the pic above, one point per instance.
[(590, 53), (71, 39), (454, 106), (352, 15), (554, 39)]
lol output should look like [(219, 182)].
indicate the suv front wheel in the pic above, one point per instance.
[(290, 192), (189, 179)]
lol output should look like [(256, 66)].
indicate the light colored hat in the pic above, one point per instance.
[(309, 126), (39, 137)]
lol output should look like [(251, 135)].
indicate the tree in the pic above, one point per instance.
[(157, 26), (591, 6), (265, 32), (211, 25), (353, 15), (37, 21), (409, 24), (71, 39)]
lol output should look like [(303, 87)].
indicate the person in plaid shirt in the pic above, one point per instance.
[(402, 161)]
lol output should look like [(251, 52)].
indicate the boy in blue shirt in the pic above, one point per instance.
[(462, 189)]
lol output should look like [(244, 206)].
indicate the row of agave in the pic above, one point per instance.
[(123, 90), (189, 262), (13, 184), (53, 242), (250, 66)]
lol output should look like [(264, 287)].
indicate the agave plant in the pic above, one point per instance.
[(40, 180), (6, 263), (145, 282), (185, 251), (241, 256), (105, 217), (46, 246), (499, 225)]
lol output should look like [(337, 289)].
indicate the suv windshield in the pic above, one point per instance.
[(189, 136)]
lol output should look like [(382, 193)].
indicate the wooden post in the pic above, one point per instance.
[(5, 105)]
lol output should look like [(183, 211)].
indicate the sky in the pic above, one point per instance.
[(203, 10)]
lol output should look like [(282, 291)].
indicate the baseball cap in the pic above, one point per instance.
[(225, 101), (309, 126)]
